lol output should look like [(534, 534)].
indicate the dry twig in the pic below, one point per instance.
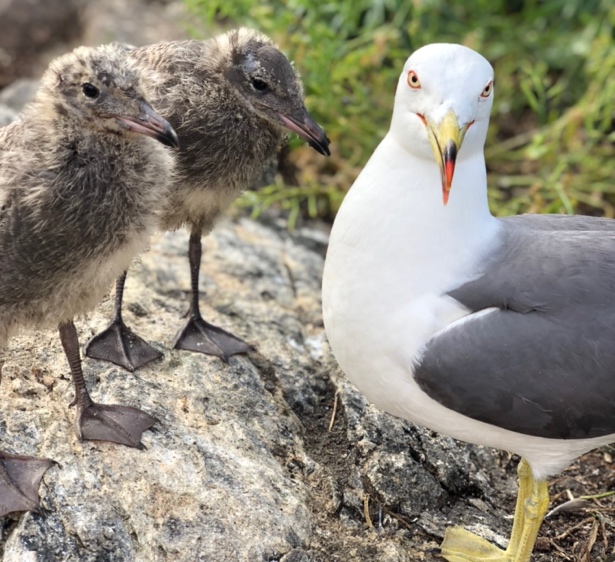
[(334, 410)]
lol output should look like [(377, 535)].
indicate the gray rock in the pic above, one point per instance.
[(298, 555), (29, 28), (242, 465), (19, 93), (7, 115), (138, 22)]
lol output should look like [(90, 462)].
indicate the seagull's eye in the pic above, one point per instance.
[(259, 85), (90, 90), (413, 80), (487, 90)]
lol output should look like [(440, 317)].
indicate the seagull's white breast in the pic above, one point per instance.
[(388, 271)]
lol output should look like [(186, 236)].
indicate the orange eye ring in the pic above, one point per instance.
[(487, 90), (413, 80)]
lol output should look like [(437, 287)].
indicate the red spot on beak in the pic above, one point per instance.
[(449, 170), (449, 158)]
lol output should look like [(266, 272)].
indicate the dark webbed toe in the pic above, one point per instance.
[(118, 344), (19, 481), (119, 424), (203, 337)]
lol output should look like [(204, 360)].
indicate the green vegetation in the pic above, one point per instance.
[(551, 146)]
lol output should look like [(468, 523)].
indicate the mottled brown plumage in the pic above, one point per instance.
[(80, 183), (231, 99)]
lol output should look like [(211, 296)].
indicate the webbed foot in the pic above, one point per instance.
[(203, 337), (120, 345), (20, 477), (119, 424), (463, 546)]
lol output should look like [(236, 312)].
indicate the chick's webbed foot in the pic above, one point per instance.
[(119, 424), (203, 337), (121, 346), (20, 477)]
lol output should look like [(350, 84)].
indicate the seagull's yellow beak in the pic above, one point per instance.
[(446, 139)]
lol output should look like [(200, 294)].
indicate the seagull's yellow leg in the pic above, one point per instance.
[(535, 509), (524, 473), (532, 503)]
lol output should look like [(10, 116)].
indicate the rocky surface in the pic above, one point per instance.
[(19, 93), (137, 22), (33, 31), (13, 98), (242, 465), (7, 115)]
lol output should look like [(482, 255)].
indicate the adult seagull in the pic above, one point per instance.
[(499, 332)]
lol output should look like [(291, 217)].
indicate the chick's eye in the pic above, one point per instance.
[(413, 80), (90, 90), (259, 85), (487, 90)]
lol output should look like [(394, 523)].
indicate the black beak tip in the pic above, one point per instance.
[(169, 138), (321, 145), (310, 131)]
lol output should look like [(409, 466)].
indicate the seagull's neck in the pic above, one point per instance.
[(413, 185), (394, 219)]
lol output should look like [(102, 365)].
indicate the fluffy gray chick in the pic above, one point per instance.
[(231, 99), (80, 182)]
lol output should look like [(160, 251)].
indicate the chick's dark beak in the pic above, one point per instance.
[(302, 123), (149, 123)]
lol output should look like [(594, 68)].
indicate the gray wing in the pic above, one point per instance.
[(543, 362), (560, 222)]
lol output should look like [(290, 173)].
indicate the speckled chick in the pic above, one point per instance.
[(231, 99), (80, 183)]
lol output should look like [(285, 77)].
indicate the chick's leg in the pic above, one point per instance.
[(197, 334)]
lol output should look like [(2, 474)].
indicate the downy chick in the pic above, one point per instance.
[(80, 182)]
